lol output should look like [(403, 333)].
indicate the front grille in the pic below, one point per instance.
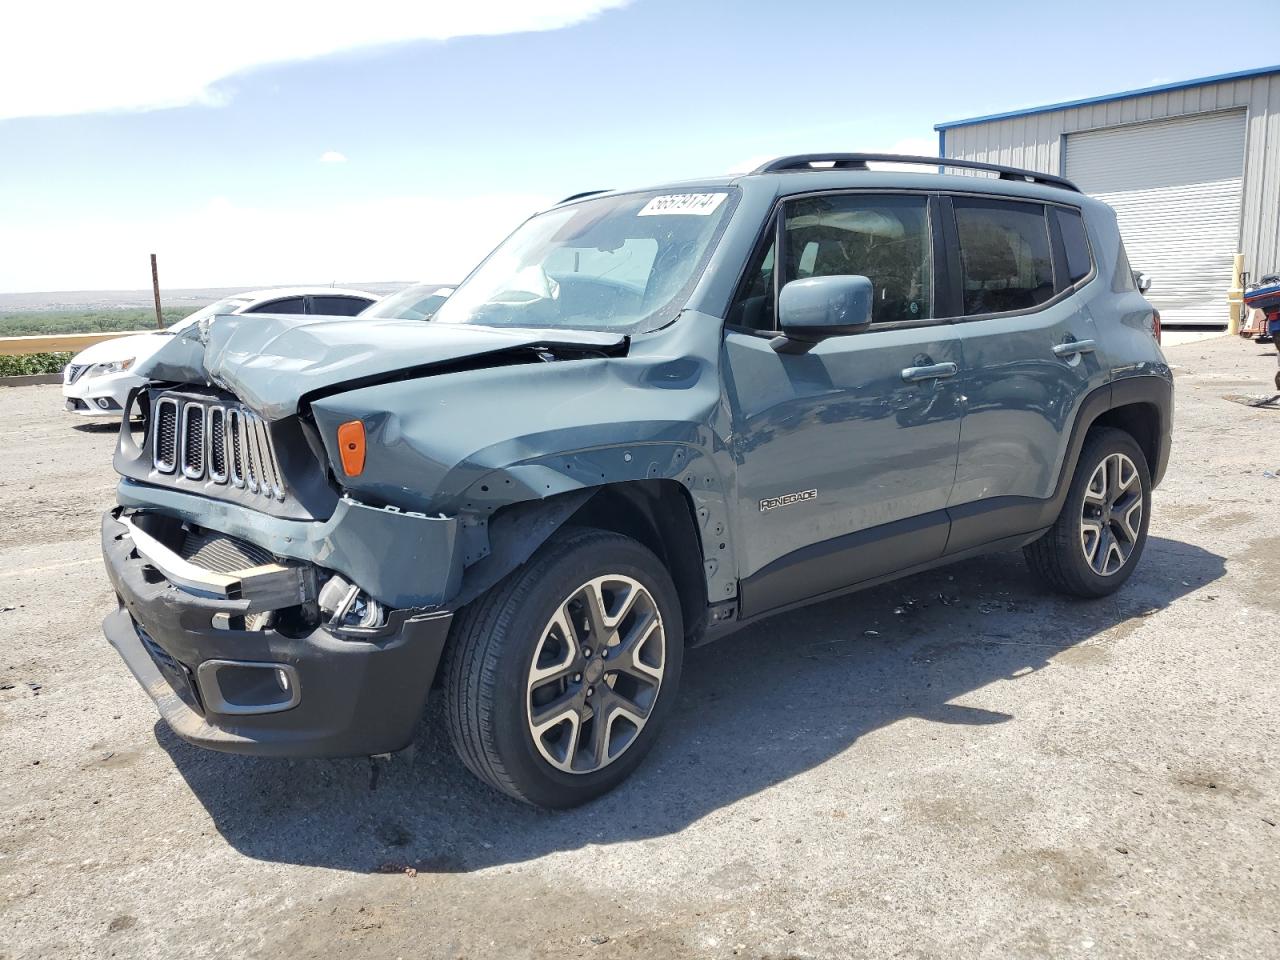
[(219, 441), (74, 370)]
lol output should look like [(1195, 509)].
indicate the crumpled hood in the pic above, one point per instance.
[(271, 361)]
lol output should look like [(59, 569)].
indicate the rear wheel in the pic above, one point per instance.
[(559, 678), (1095, 543)]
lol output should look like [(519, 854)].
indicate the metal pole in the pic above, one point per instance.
[(155, 289)]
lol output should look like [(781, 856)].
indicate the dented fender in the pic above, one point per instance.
[(456, 445)]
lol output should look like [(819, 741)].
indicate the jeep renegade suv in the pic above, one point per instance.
[(647, 419)]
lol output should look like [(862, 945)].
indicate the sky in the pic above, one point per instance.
[(250, 144)]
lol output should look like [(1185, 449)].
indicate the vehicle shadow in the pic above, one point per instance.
[(806, 685), (98, 426)]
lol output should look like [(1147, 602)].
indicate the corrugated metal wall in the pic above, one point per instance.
[(1035, 141)]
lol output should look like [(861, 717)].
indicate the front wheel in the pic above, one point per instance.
[(558, 679), (1094, 545)]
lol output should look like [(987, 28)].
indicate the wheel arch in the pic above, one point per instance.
[(1142, 406), (1141, 420), (659, 513)]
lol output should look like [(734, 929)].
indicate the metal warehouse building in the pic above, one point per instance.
[(1192, 170)]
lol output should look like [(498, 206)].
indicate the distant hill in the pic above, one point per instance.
[(191, 298)]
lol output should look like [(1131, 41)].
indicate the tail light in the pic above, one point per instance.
[(1155, 324)]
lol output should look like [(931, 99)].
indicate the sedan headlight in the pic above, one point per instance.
[(115, 366)]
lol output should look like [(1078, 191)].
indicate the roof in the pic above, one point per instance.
[(277, 292), (1087, 101), (823, 171)]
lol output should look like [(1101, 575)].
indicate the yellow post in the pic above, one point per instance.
[(1235, 296)]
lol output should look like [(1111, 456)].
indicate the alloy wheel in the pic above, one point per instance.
[(1111, 517), (595, 674)]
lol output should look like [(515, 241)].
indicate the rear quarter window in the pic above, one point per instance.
[(1122, 279), (338, 306), (1075, 244)]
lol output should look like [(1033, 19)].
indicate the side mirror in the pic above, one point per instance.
[(813, 309), (1142, 280)]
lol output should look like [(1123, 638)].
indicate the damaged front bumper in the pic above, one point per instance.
[(403, 559), (296, 686)]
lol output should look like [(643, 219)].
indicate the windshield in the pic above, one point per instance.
[(418, 302), (225, 305), (620, 263)]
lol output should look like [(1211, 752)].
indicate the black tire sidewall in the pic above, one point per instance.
[(579, 559), (1097, 448)]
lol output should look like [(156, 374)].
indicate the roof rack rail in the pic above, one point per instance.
[(859, 161), (585, 193)]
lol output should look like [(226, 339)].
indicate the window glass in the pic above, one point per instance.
[(286, 305), (622, 263), (1004, 255), (1122, 280), (1075, 243), (338, 306), (629, 264), (418, 302), (754, 307), (883, 238)]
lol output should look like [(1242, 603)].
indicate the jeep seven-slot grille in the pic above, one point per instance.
[(220, 442)]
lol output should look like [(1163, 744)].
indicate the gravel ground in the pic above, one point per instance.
[(993, 772)]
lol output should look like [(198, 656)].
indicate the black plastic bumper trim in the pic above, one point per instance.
[(359, 696)]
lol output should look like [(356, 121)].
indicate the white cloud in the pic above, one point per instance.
[(84, 56), (333, 156), (222, 243)]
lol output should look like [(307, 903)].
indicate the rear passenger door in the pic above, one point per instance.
[(845, 453), (1030, 357)]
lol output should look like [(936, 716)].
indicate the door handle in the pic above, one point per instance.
[(1073, 347), (934, 371)]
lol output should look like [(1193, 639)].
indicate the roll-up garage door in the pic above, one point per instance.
[(1176, 187)]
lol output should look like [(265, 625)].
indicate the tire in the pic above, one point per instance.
[(1062, 556), (495, 690)]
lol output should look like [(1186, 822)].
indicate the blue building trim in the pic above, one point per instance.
[(1088, 101)]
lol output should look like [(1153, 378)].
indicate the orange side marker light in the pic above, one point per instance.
[(351, 447)]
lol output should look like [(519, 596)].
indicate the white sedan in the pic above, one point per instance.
[(97, 381)]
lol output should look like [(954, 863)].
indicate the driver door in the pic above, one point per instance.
[(846, 454)]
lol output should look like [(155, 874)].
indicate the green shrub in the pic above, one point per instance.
[(35, 323), (33, 363)]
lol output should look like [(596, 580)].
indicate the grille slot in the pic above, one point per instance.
[(193, 440), (249, 441), (164, 442), (74, 370), (235, 447), (216, 431), (220, 442)]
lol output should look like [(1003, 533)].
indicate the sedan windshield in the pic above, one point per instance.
[(225, 305), (418, 302), (622, 263)]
